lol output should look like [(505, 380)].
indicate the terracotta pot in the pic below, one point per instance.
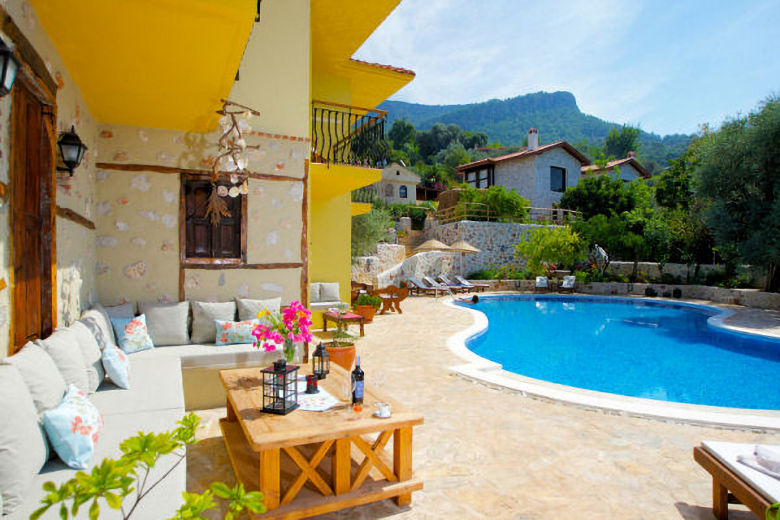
[(343, 356), (367, 311)]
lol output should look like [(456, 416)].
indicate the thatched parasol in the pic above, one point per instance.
[(432, 245)]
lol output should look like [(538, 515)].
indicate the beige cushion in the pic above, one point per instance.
[(126, 310), (329, 292), (167, 322), (248, 309), (63, 347), (23, 449), (98, 322), (203, 316), (314, 292), (90, 352), (40, 374)]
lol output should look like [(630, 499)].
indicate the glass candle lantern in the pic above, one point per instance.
[(320, 362), (280, 388)]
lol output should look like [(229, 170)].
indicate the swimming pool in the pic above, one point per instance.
[(637, 348)]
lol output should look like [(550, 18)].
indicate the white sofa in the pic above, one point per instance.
[(155, 400)]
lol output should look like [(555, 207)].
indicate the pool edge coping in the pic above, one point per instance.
[(480, 369)]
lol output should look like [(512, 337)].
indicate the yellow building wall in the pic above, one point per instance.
[(330, 228), (274, 77)]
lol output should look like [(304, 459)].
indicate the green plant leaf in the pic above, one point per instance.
[(114, 501), (94, 510)]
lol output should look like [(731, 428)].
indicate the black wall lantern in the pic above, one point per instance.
[(71, 150), (320, 362), (280, 388), (10, 66)]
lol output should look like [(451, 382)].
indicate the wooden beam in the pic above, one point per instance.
[(287, 265), (172, 170), (26, 51), (305, 248), (71, 215)]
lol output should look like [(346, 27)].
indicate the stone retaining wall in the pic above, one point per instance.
[(366, 269)]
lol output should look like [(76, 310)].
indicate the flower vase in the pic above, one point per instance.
[(289, 350)]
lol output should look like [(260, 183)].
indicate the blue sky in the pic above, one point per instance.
[(664, 65)]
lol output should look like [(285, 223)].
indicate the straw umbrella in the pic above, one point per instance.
[(464, 248), (432, 245)]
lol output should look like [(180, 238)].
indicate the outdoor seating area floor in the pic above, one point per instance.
[(489, 453)]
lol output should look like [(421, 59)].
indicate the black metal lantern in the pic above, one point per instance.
[(71, 150), (280, 388), (9, 66), (320, 362)]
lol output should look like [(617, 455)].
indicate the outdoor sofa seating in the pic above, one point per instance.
[(418, 288), (322, 297), (568, 284), (542, 284), (478, 287), (156, 398)]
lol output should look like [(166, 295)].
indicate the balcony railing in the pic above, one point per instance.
[(343, 134), (366, 194), (529, 215)]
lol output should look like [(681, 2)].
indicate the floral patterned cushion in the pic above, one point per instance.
[(132, 334), (117, 366), (73, 428), (231, 332)]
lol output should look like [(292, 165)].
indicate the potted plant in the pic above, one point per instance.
[(342, 348), (292, 325), (366, 305)]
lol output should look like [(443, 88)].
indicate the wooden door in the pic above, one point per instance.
[(31, 217)]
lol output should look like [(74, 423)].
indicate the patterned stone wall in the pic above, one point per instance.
[(417, 266), (366, 269), (495, 240), (138, 221)]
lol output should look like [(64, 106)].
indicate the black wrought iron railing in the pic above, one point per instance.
[(343, 134), (365, 194)]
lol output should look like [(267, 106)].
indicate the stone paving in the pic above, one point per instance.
[(488, 453)]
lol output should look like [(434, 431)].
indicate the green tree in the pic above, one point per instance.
[(619, 143), (402, 133), (550, 245), (501, 203), (598, 195), (674, 187), (369, 229), (739, 174)]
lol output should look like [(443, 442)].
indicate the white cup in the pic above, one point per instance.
[(383, 410)]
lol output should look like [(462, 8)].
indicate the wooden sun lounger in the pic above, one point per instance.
[(418, 288), (457, 287), (729, 487), (478, 287)]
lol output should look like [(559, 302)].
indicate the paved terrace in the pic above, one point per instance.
[(487, 453)]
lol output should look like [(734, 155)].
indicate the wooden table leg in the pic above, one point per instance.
[(341, 466), (720, 500), (231, 413), (402, 460), (362, 332), (324, 324), (269, 477)]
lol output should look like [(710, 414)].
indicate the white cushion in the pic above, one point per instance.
[(329, 292), (248, 309), (568, 282), (541, 281), (314, 292), (91, 354), (155, 384), (40, 374), (23, 449), (63, 347), (204, 314), (99, 324), (167, 322)]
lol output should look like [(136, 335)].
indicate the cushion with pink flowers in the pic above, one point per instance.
[(117, 366), (73, 428), (132, 334), (233, 332)]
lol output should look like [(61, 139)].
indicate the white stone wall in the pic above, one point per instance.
[(544, 197), (366, 269), (395, 198), (419, 265), (495, 240), (627, 173), (681, 270), (517, 175)]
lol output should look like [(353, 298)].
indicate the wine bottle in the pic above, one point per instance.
[(357, 384)]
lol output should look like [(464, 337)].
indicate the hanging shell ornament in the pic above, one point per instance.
[(234, 192), (234, 178), (244, 187), (222, 191)]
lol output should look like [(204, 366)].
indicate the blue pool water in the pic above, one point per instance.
[(630, 347)]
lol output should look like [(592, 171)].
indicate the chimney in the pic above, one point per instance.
[(631, 155), (533, 139)]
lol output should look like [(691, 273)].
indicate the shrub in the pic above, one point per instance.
[(560, 246), (502, 204), (368, 299), (370, 229)]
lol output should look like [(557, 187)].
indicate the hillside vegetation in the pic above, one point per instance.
[(555, 114)]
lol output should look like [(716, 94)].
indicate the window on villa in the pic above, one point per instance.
[(205, 242), (388, 190), (402, 192), (480, 179), (557, 179)]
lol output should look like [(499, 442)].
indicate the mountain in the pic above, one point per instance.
[(555, 114)]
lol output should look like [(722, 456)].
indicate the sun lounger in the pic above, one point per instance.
[(568, 284), (731, 479), (542, 285), (418, 288), (443, 287), (479, 287), (457, 287)]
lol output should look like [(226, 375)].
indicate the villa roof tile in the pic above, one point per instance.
[(522, 154), (594, 168)]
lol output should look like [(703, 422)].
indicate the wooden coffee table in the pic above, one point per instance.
[(347, 317), (296, 484)]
